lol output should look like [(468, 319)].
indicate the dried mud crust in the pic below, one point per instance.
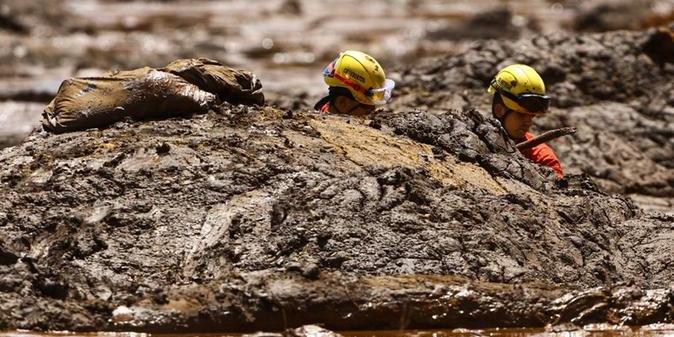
[(194, 223), (615, 87)]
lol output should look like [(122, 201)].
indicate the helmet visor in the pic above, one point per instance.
[(382, 95), (533, 103)]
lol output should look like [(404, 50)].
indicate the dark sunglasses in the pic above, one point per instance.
[(534, 103)]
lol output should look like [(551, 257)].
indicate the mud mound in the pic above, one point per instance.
[(196, 223), (490, 24), (615, 87), (601, 16)]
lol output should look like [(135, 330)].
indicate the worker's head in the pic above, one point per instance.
[(519, 96), (357, 83)]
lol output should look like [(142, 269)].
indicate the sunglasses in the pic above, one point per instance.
[(533, 103)]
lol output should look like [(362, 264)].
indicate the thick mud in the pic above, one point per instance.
[(424, 216), (287, 42), (256, 218)]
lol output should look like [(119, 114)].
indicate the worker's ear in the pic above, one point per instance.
[(499, 110)]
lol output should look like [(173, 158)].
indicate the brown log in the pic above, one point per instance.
[(545, 137)]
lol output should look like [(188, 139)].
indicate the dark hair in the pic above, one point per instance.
[(339, 91), (497, 99)]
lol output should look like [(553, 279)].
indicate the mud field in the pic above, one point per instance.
[(266, 217)]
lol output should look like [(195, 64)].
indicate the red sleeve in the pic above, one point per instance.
[(544, 155)]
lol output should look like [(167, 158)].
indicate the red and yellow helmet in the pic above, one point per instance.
[(362, 75)]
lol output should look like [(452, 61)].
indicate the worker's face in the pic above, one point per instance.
[(517, 124), (346, 105)]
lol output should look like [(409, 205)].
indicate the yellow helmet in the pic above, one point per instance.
[(521, 89), (362, 75)]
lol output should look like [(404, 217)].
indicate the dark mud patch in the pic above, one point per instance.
[(602, 16)]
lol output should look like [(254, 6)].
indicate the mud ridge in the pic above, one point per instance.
[(201, 222)]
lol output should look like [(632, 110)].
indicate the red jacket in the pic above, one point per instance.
[(543, 155)]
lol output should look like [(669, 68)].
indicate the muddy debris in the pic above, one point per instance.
[(183, 87), (248, 217)]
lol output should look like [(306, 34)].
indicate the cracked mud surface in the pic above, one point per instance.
[(253, 214), (425, 216)]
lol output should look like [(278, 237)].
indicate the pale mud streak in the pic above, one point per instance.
[(217, 231), (17, 120), (367, 146)]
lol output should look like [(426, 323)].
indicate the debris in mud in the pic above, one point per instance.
[(182, 87)]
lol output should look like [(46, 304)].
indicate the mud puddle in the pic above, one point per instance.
[(600, 330)]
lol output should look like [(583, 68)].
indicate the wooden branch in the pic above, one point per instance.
[(545, 137)]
